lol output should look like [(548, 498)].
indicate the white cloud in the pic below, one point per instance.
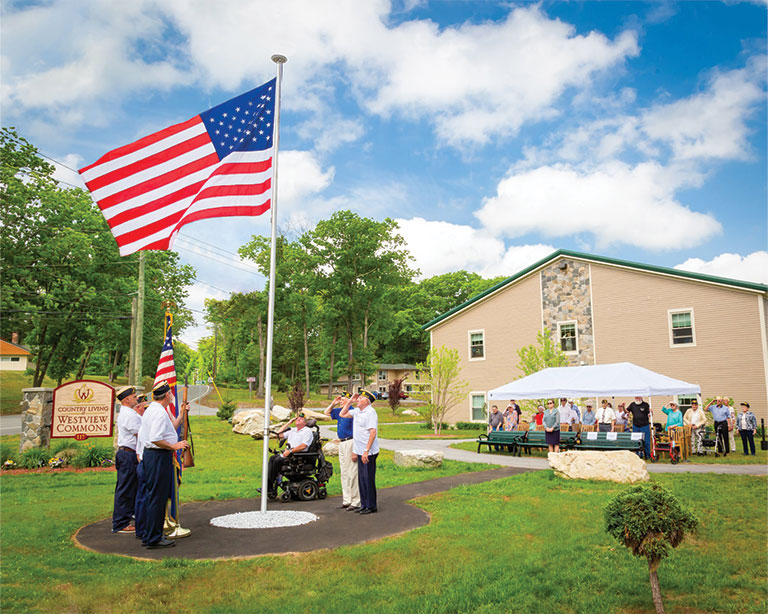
[(441, 247), (77, 59), (615, 202), (300, 175), (473, 81), (752, 267)]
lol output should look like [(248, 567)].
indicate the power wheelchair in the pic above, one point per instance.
[(305, 475)]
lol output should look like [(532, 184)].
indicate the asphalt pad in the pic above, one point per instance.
[(335, 527)]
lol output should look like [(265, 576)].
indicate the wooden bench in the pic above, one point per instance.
[(507, 439), (537, 439), (623, 441)]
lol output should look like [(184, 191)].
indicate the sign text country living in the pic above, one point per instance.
[(83, 409)]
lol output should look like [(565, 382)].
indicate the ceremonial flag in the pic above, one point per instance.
[(217, 164)]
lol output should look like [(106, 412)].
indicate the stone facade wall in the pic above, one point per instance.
[(565, 295), (36, 411)]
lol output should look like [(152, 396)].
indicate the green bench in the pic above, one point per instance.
[(507, 439), (623, 441), (537, 439)]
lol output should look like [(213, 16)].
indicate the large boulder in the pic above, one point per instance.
[(410, 412), (331, 448), (248, 422), (614, 466), (418, 458), (280, 412)]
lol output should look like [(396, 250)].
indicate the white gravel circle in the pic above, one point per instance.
[(263, 520)]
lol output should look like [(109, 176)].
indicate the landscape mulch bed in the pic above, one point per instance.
[(55, 470)]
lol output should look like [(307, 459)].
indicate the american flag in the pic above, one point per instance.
[(166, 369), (217, 164)]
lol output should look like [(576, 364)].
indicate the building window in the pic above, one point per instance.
[(356, 377), (382, 376), (681, 327), (477, 406), (477, 345), (684, 403), (568, 335)]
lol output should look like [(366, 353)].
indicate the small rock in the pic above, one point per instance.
[(410, 412), (331, 448), (418, 458)]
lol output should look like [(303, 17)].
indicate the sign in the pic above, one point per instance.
[(250, 379), (83, 409)]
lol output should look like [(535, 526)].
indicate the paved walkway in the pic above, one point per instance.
[(335, 527)]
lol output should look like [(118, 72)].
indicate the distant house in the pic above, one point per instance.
[(701, 329), (384, 374), (13, 357)]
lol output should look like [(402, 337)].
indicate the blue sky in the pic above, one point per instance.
[(493, 132)]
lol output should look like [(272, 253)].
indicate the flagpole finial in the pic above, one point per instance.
[(279, 59)]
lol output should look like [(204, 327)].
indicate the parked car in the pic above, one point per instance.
[(384, 395)]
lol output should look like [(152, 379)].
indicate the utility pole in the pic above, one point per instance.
[(139, 342), (132, 351), (215, 346)]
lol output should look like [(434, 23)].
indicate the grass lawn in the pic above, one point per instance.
[(529, 543), (737, 458), (417, 431), (12, 383)]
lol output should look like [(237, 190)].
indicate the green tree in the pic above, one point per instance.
[(65, 289), (650, 521), (441, 387)]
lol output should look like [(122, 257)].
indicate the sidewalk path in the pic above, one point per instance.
[(522, 462)]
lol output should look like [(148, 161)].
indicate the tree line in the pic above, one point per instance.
[(347, 298), (65, 289)]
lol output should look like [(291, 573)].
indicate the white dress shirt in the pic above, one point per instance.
[(128, 425), (156, 425), (364, 421), (605, 415)]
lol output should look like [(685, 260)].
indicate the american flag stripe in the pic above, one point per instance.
[(217, 164)]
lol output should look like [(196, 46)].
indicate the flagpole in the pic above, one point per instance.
[(279, 60)]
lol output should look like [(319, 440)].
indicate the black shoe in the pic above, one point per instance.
[(163, 543), (343, 506), (361, 510), (353, 508), (368, 511)]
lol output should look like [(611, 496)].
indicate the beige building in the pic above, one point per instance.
[(706, 330), (13, 357), (385, 373)]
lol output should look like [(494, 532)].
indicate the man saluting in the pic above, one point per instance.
[(366, 446)]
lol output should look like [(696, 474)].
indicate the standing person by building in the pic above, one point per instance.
[(495, 422), (551, 422), (622, 416), (366, 446), (697, 419), (589, 418), (511, 417), (747, 423), (641, 421), (350, 491), (732, 426), (538, 419), (722, 417), (674, 416), (567, 415), (606, 417), (576, 412), (128, 425), (159, 433)]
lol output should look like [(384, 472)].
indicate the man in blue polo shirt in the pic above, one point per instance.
[(350, 492), (721, 414)]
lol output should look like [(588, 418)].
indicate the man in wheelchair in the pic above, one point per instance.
[(298, 439)]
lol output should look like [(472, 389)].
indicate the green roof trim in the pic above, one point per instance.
[(604, 259)]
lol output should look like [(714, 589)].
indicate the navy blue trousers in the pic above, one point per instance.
[(158, 473), (646, 438), (125, 489), (366, 481), (747, 439), (141, 503)]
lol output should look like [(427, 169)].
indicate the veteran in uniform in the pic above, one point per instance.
[(128, 425), (365, 447), (350, 491), (160, 440)]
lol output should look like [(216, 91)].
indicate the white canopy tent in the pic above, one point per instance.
[(621, 379)]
